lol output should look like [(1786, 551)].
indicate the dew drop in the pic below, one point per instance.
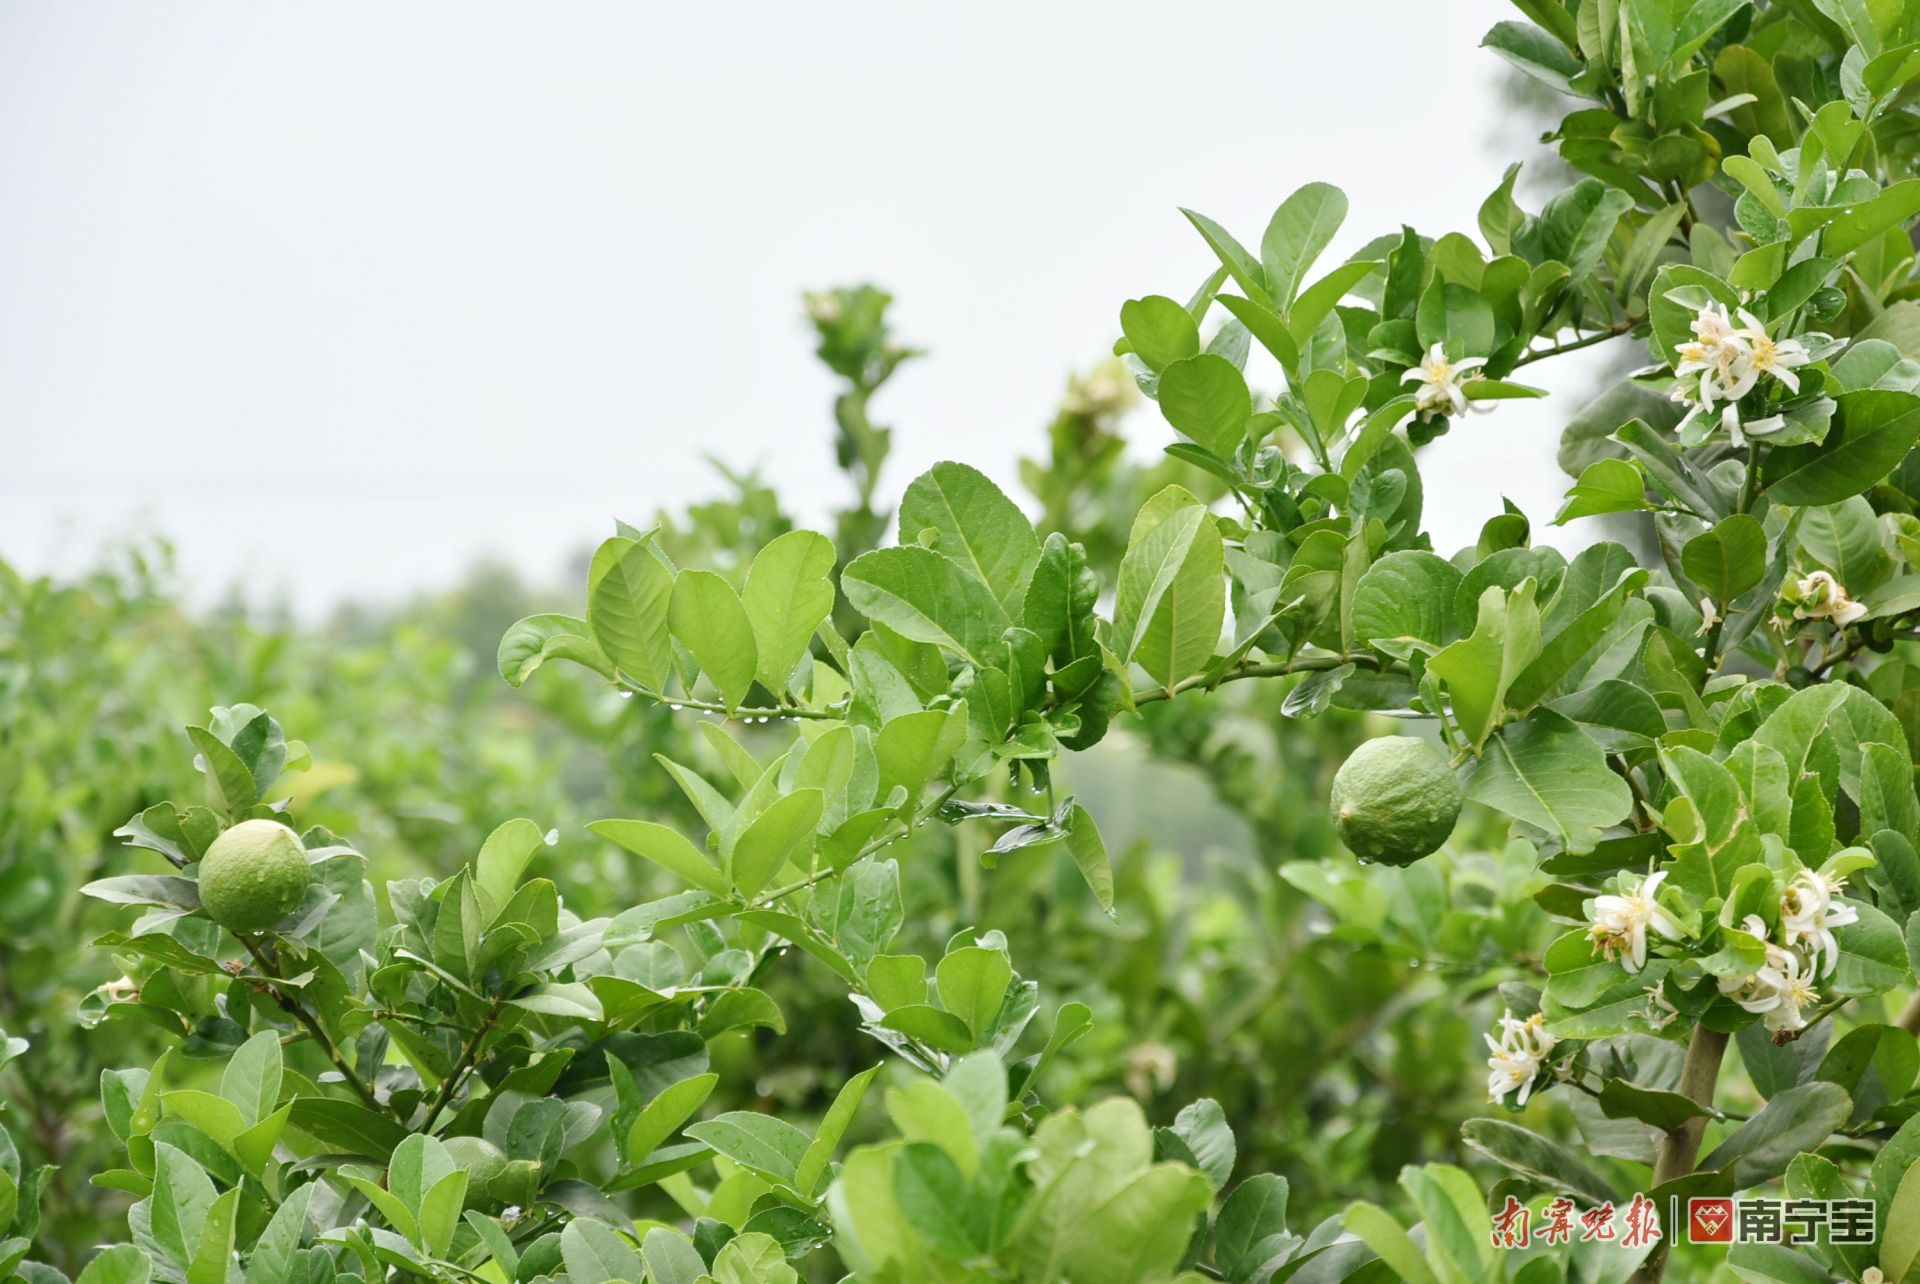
[(626, 695)]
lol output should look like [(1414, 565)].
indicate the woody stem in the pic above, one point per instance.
[(1679, 1149)]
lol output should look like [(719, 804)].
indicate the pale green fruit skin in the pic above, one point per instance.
[(1395, 800), (254, 875), (482, 1160)]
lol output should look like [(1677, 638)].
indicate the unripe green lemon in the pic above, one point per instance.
[(482, 1160), (254, 875), (1395, 800)]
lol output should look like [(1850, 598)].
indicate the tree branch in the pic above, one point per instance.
[(469, 1055), (1573, 345), (1269, 669), (298, 1011), (1681, 1147)]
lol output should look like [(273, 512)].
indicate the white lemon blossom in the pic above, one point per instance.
[(1439, 392), (1764, 355), (1821, 597), (1808, 917), (1780, 991), (1620, 922), (1518, 1056), (1722, 363), (1709, 616)]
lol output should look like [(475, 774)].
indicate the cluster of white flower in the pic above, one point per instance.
[(1788, 983), (1440, 392), (1723, 363), (1821, 597), (1518, 1056), (1620, 922)]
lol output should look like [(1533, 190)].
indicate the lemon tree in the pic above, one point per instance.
[(1697, 730)]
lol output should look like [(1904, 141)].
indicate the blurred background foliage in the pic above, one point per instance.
[(1247, 960)]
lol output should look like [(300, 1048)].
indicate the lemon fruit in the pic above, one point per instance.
[(1395, 800), (254, 875)]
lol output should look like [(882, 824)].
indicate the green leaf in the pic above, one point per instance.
[(1405, 602), (972, 981), (531, 642), (1727, 560), (1266, 326), (1547, 772), (1299, 231), (753, 1258), (789, 592), (1233, 256), (1599, 605), (1605, 486), (1479, 668), (1206, 398), (595, 1254), (671, 1257), (927, 598), (1900, 1246), (347, 1125), (833, 1126), (706, 617), (439, 1215), (1872, 431), (915, 749), (1159, 330), (503, 859), (1251, 1218), (1853, 224), (182, 1196), (1202, 1125), (1089, 852), (628, 592), (213, 1255), (1310, 310), (769, 1146), (1533, 1156), (230, 786), (664, 1115), (573, 1000), (666, 848), (936, 1028), (1536, 53), (1574, 226), (1774, 1264), (1795, 1120), (121, 1264), (1664, 1110), (1873, 956), (1171, 598), (959, 513), (251, 1080), (1380, 1232), (932, 1195), (783, 832), (897, 980)]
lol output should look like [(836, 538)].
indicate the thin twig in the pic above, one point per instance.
[(468, 1056), (298, 1010), (1573, 345)]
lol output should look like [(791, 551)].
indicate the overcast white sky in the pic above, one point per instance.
[(341, 296)]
